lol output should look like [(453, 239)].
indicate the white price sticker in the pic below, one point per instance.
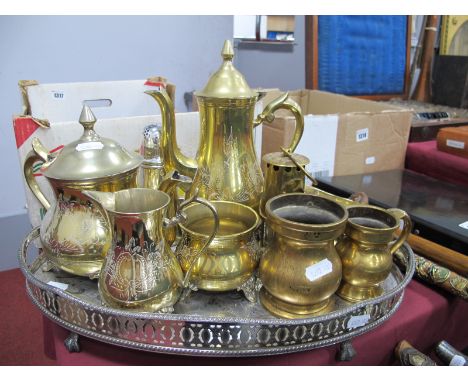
[(89, 146), (464, 225), (455, 144), (322, 268), (61, 286), (58, 95), (357, 321), (362, 135), (457, 360), (370, 160)]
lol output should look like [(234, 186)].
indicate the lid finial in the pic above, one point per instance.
[(87, 118), (228, 51)]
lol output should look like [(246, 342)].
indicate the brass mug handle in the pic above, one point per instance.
[(180, 218), (407, 225), (170, 186), (284, 102), (38, 153)]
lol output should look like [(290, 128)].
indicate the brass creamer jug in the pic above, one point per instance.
[(226, 167), (140, 271)]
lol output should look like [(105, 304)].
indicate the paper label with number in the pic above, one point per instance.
[(357, 321), (362, 135), (89, 146), (58, 285), (322, 268), (457, 360)]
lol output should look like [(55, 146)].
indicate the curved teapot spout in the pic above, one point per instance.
[(172, 157)]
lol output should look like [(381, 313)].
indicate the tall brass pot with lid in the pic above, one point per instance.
[(226, 167), (74, 234)]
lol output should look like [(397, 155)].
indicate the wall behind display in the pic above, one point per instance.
[(274, 65), (184, 49)]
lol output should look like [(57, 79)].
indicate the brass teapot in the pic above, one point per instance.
[(226, 167), (74, 234)]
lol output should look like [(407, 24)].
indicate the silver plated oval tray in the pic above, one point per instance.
[(206, 324)]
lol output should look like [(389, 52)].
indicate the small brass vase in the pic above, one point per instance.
[(366, 249), (300, 269)]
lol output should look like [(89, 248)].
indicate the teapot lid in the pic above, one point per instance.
[(91, 156), (227, 82)]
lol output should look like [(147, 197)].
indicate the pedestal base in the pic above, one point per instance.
[(284, 309), (354, 293)]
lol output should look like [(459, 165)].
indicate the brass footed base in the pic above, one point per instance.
[(284, 309), (354, 293)]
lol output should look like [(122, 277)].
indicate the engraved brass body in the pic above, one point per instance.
[(300, 269), (232, 257), (226, 167), (74, 234), (140, 271), (366, 249), (282, 176)]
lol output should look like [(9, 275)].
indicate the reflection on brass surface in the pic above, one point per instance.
[(74, 234), (140, 271), (233, 255), (226, 167), (300, 269), (366, 249)]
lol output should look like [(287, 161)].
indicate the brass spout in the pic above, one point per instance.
[(173, 158)]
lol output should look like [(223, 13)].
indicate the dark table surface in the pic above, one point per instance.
[(437, 208)]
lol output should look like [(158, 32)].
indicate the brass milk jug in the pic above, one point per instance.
[(300, 269), (366, 249), (226, 167), (140, 271), (74, 234)]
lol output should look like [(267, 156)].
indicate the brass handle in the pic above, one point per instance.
[(284, 102), (37, 154), (196, 199), (301, 167), (23, 252), (400, 215), (170, 186)]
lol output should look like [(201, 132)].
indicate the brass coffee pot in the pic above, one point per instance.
[(226, 167), (74, 234)]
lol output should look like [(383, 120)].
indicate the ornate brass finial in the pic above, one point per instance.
[(228, 50), (87, 118)]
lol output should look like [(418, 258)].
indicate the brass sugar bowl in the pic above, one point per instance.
[(75, 235), (226, 166), (300, 269)]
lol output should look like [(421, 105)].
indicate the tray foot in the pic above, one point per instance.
[(187, 291), (72, 344), (250, 288), (346, 352)]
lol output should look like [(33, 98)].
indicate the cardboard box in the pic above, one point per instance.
[(453, 140), (342, 135), (51, 113)]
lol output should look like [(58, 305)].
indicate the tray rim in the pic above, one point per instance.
[(399, 289)]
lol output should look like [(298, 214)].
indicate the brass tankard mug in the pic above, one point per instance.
[(140, 271), (366, 249), (300, 269)]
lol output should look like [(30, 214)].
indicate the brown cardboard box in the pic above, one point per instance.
[(342, 135), (453, 140)]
